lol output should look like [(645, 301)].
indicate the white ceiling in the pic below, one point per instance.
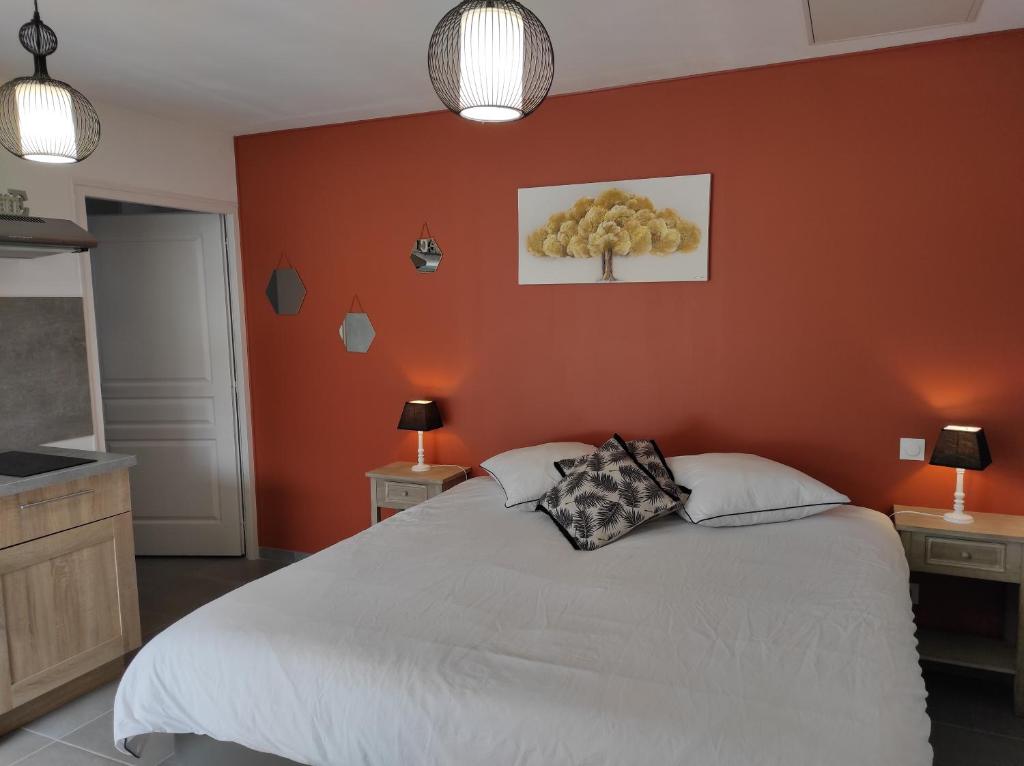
[(256, 65)]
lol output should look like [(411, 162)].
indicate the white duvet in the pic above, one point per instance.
[(463, 633)]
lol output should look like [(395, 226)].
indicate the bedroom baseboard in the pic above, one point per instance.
[(281, 554)]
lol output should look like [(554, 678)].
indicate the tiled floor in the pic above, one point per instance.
[(170, 588), (972, 718), (972, 714)]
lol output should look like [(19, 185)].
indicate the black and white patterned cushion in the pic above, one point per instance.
[(608, 497), (649, 456)]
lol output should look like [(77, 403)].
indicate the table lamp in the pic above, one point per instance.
[(961, 447), (420, 415)]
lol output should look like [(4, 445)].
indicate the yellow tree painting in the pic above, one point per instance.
[(613, 225)]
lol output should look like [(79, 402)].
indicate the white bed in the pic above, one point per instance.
[(461, 632)]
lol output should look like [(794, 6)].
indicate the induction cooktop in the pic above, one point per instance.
[(32, 463)]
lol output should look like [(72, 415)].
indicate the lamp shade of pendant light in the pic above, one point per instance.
[(491, 60), (43, 119)]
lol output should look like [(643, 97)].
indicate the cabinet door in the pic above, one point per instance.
[(68, 604)]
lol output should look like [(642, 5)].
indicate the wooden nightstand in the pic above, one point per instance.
[(992, 548), (397, 486)]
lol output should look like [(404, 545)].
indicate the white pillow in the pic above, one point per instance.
[(736, 490), (526, 474)]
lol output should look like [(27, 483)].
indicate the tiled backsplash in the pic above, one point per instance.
[(44, 380)]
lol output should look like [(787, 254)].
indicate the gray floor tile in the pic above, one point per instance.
[(955, 746), (182, 597), (980, 701), (98, 737), (231, 570), (18, 744), (204, 751), (59, 754), (153, 622), (76, 714), (170, 588)]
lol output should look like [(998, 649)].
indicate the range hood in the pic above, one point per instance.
[(25, 236)]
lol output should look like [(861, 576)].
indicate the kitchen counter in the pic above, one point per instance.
[(105, 462)]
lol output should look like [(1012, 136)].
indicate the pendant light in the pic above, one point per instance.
[(43, 119), (491, 60)]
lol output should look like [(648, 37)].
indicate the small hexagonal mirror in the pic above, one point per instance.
[(285, 291), (357, 332), (426, 255)]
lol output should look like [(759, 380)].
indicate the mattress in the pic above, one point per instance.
[(461, 632)]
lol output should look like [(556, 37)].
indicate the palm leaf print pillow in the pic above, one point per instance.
[(650, 458), (608, 497)]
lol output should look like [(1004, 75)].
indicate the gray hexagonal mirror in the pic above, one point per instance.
[(285, 291), (357, 332), (426, 255)]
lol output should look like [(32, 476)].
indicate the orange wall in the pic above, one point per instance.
[(866, 282)]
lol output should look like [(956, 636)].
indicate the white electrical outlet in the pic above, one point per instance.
[(911, 449)]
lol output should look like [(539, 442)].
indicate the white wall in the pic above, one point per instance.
[(137, 152)]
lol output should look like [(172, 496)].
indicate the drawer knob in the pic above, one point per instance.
[(405, 492), (965, 554)]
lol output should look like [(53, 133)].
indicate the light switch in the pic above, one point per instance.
[(911, 449)]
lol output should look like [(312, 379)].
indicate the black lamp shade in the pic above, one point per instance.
[(420, 415), (962, 447)]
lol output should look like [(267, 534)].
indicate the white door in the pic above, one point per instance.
[(167, 374)]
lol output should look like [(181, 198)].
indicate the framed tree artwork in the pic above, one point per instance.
[(643, 230)]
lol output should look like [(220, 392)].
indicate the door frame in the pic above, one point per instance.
[(236, 306)]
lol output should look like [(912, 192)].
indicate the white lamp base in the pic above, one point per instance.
[(420, 465), (957, 515)]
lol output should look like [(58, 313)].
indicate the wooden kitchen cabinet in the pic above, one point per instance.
[(69, 607)]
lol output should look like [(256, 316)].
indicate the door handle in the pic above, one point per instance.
[(26, 506)]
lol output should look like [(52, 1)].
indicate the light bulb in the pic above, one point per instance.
[(46, 122), (491, 64)]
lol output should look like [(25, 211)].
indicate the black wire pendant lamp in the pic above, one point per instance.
[(491, 60), (43, 119)]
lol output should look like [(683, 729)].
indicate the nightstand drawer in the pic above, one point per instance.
[(404, 494), (965, 554), (962, 556)]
